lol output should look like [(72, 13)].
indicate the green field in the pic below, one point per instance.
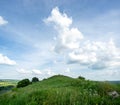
[(7, 82), (6, 85), (62, 90)]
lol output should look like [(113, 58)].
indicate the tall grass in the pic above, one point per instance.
[(60, 90)]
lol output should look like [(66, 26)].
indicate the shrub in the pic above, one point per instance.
[(35, 79), (23, 83), (80, 77)]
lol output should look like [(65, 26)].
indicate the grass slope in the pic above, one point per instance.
[(62, 90)]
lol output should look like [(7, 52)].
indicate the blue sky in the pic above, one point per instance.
[(46, 37)]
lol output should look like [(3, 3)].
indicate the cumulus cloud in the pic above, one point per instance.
[(96, 55), (45, 72), (67, 70), (24, 71), (3, 21), (6, 60), (72, 43), (63, 21), (107, 74), (37, 72), (48, 72), (32, 72), (69, 37)]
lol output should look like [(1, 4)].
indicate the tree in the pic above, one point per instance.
[(80, 77), (35, 79), (23, 83)]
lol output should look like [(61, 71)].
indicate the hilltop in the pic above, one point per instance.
[(62, 90)]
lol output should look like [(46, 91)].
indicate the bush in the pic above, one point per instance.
[(35, 79), (23, 83), (80, 77)]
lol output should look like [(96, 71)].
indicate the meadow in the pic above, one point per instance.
[(62, 90)]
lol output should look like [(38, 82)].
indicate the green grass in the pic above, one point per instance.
[(62, 90)]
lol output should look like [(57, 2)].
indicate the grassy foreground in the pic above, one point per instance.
[(62, 90)]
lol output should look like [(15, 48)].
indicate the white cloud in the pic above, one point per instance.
[(96, 55), (6, 60), (61, 20), (2, 21), (49, 72), (37, 72), (34, 72), (107, 74), (67, 70), (68, 38), (24, 71), (76, 49)]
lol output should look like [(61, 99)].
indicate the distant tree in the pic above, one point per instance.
[(23, 83), (35, 79), (81, 77)]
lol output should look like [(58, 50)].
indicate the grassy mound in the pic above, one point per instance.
[(62, 90)]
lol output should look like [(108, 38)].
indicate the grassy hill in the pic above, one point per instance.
[(62, 90)]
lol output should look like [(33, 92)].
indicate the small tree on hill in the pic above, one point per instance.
[(35, 79), (80, 77), (23, 83)]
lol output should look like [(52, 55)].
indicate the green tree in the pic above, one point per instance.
[(80, 77), (23, 83), (35, 79)]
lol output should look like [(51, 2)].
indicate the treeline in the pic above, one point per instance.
[(26, 82), (6, 87)]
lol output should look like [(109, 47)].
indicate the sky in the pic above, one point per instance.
[(41, 38)]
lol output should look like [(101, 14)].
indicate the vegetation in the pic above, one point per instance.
[(62, 90), (35, 79), (7, 82), (7, 85), (23, 83), (80, 77)]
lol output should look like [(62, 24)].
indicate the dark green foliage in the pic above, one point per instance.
[(23, 83), (6, 87), (62, 90), (35, 79), (80, 77)]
